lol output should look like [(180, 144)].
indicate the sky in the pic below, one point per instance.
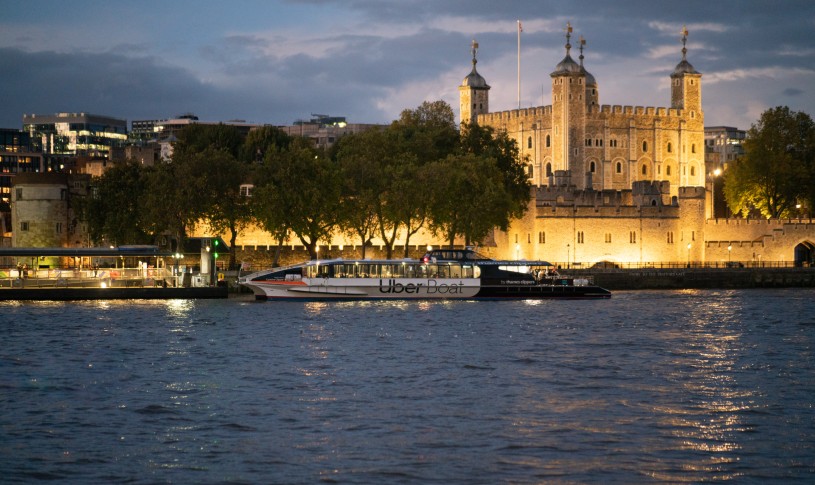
[(277, 61)]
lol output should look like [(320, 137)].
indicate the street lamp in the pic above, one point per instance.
[(568, 254), (715, 174), (729, 247), (689, 245)]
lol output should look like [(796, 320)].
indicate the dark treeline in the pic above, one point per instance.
[(418, 172)]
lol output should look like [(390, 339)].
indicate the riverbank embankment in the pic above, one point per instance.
[(699, 278)]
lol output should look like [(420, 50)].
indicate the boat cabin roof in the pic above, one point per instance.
[(469, 255)]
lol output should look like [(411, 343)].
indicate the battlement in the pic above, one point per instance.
[(513, 114), (691, 192), (539, 111), (607, 212), (640, 110), (789, 224), (643, 194)]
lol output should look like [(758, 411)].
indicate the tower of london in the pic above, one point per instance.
[(615, 183)]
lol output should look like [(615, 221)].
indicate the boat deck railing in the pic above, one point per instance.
[(88, 278)]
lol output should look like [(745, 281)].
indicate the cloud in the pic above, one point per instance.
[(109, 84), (774, 72)]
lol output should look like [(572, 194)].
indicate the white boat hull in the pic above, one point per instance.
[(365, 288)]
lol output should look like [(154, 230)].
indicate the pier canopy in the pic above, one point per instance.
[(136, 250)]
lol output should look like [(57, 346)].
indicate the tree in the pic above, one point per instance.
[(776, 169), (484, 141), (428, 132), (468, 197), (171, 202), (261, 141), (360, 161), (196, 138), (112, 212), (219, 181), (409, 202), (299, 189)]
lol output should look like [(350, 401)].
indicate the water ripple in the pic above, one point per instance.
[(685, 386)]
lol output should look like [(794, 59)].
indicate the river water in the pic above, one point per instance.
[(649, 386)]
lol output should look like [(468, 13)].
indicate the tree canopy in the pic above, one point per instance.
[(776, 172), (418, 172)]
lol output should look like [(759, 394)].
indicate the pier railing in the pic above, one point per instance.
[(608, 265), (88, 278)]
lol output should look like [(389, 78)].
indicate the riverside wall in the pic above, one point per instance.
[(700, 278), (611, 278)]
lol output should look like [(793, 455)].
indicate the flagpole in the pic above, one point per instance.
[(519, 63)]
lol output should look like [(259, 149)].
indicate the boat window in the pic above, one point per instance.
[(515, 268)]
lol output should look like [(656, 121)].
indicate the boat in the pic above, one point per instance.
[(441, 273)]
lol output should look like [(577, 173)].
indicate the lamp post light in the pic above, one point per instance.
[(715, 175), (689, 246), (729, 247), (568, 254)]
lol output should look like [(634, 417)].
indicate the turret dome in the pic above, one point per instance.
[(566, 66), (684, 67), (590, 81), (474, 80)]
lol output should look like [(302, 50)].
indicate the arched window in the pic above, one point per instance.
[(644, 169), (619, 167), (667, 170), (693, 148), (591, 167), (692, 171), (645, 146), (670, 148), (548, 141), (529, 142), (548, 169)]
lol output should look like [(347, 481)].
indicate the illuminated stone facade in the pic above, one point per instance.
[(43, 211), (625, 185), (622, 184)]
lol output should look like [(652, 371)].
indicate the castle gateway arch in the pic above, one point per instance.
[(805, 254)]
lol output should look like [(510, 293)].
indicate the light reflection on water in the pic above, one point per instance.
[(684, 386)]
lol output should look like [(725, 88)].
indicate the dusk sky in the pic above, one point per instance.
[(276, 61)]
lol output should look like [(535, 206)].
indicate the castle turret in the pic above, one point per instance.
[(686, 82), (569, 115), (592, 90), (474, 93), (686, 95)]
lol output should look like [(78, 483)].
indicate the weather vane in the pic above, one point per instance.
[(582, 44), (684, 41)]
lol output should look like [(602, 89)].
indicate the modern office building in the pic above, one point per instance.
[(723, 144), (165, 132), (16, 156), (75, 134), (325, 130)]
